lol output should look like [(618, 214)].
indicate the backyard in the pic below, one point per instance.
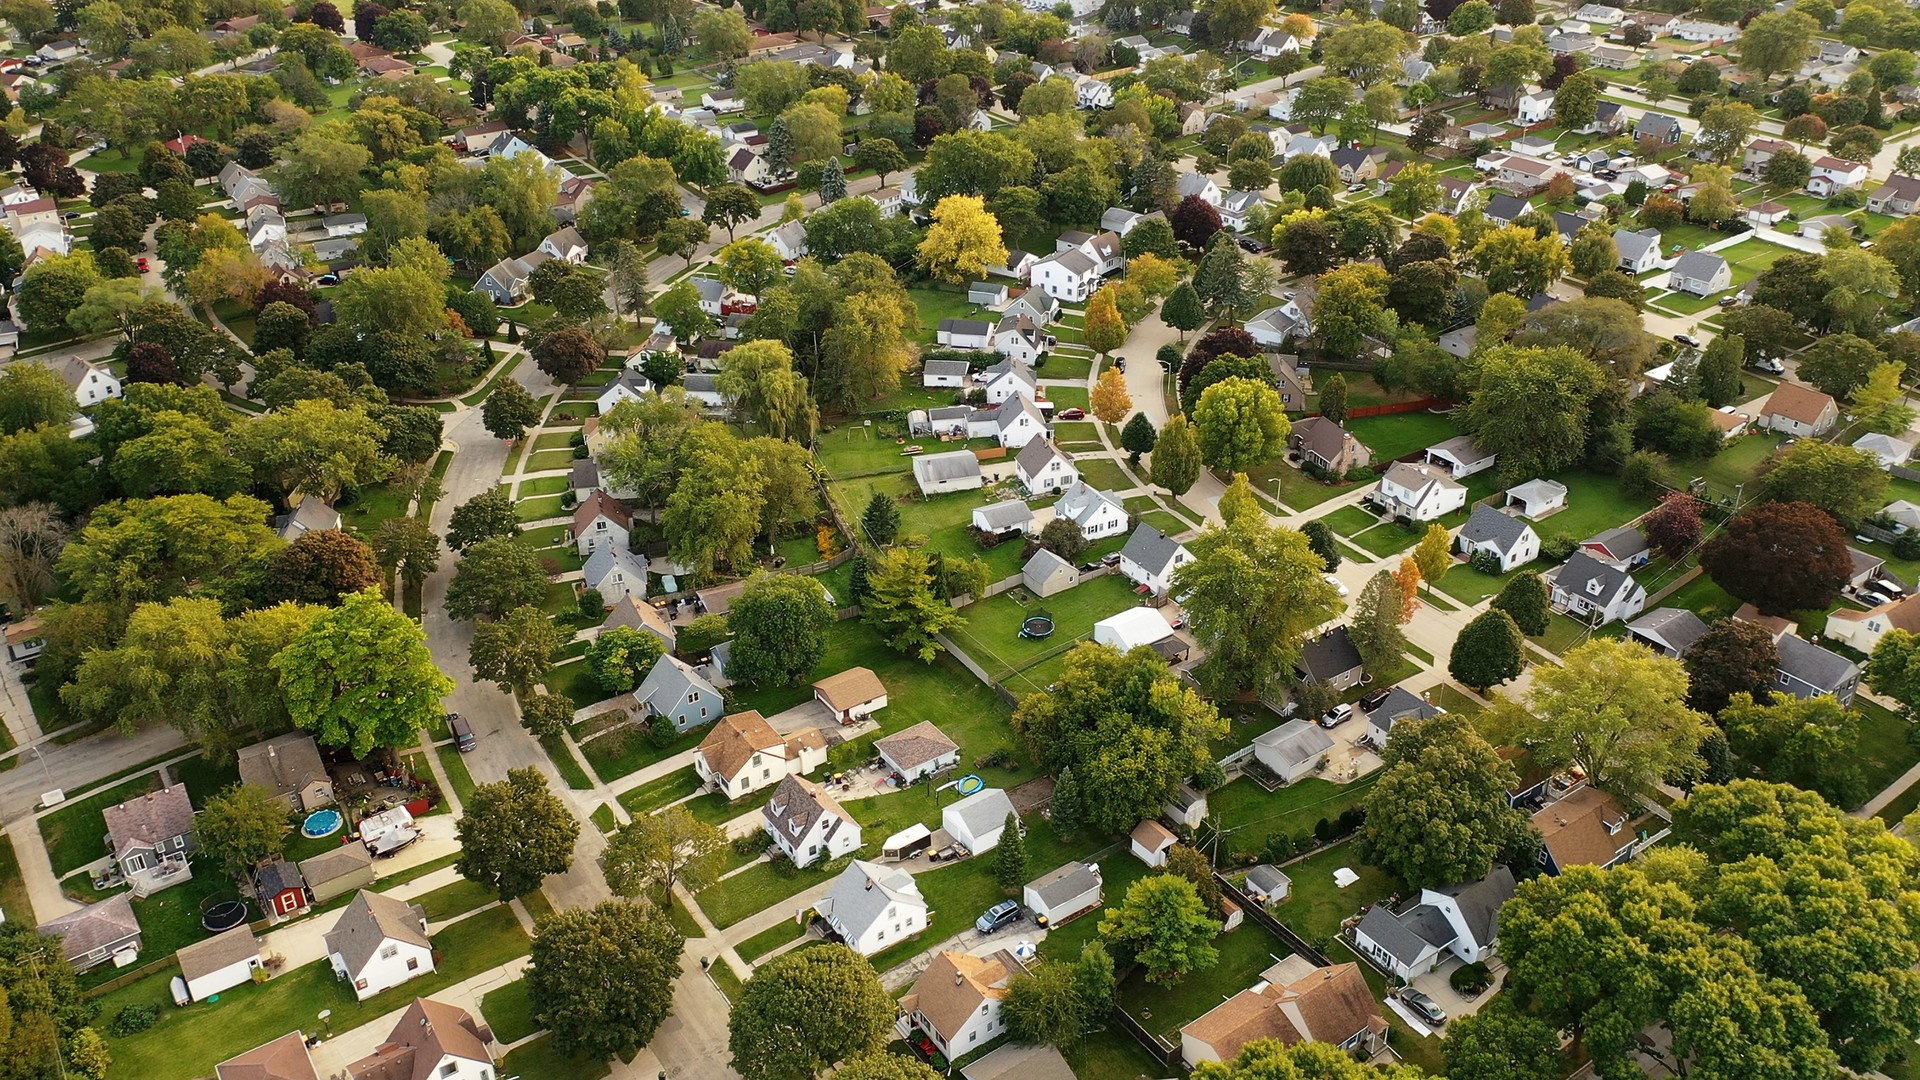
[(992, 638), (1249, 815)]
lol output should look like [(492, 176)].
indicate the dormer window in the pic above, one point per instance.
[(1593, 586)]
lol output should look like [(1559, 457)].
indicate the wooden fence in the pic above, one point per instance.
[(1259, 914)]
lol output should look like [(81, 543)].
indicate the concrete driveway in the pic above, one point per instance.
[(1435, 985)]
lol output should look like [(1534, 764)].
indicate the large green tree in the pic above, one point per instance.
[(1253, 591), (494, 577), (780, 625), (651, 854), (242, 826), (601, 978), (778, 1031), (360, 676), (1439, 813), (513, 833), (517, 650), (903, 605), (1163, 925)]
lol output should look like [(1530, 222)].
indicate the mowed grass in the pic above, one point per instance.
[(76, 834), (943, 519), (1397, 435), (1251, 815), (992, 633), (1316, 906), (1244, 954)]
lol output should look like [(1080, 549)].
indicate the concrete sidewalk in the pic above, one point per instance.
[(43, 889)]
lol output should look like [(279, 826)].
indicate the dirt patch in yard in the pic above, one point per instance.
[(1032, 795)]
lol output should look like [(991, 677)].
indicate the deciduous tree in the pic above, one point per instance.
[(601, 978), (360, 676), (780, 622), (495, 576), (1781, 557), (241, 826), (1163, 925), (1176, 457), (1253, 590), (483, 517), (514, 833), (1239, 424), (1439, 813), (321, 566), (1489, 650), (649, 855), (517, 650), (963, 240), (777, 1031), (509, 411), (1525, 598), (902, 605)]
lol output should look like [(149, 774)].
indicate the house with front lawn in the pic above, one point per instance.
[(1639, 249), (615, 573), (600, 520), (1510, 541), (743, 754), (956, 1002), (1330, 660), (1832, 175), (677, 693), (151, 838), (1044, 468), (1098, 513), (379, 943), (1593, 591), (1151, 557), (1399, 704), (1701, 273), (1669, 631), (1015, 422), (1897, 197), (1293, 750), (807, 824), (1461, 919), (1331, 1005), (1328, 447), (1862, 630), (1800, 411), (1007, 379), (1418, 491), (431, 1039), (871, 907)]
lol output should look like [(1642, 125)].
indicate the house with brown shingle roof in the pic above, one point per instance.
[(1327, 446), (599, 521), (91, 936), (743, 754), (151, 837), (956, 1002), (1863, 629), (634, 613), (920, 750), (1329, 1005), (432, 1041), (1800, 411), (852, 695), (1588, 827), (285, 1058), (290, 767)]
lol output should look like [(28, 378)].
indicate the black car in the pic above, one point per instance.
[(1687, 340), (1372, 701), (1253, 245)]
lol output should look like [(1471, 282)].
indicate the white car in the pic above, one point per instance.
[(1338, 585)]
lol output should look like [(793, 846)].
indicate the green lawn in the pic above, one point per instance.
[(247, 1016), (205, 778), (1250, 815), (565, 764), (539, 508), (665, 791), (1295, 488), (13, 887), (992, 633), (455, 767), (1704, 598), (456, 899), (855, 450), (509, 1012), (1390, 537), (936, 304), (1104, 473), (76, 833), (943, 519), (770, 939), (170, 918), (1737, 464), (539, 1059), (544, 460), (755, 888), (1391, 437), (1349, 520), (1244, 954), (1471, 586), (1595, 503), (1067, 397), (1315, 906), (1884, 751)]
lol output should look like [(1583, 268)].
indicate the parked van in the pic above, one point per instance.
[(462, 732)]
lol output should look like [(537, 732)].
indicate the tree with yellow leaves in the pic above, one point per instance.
[(963, 240), (1155, 276), (1434, 553), (1408, 578), (1105, 329), (1109, 400)]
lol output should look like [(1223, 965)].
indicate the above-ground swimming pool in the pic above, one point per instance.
[(320, 823)]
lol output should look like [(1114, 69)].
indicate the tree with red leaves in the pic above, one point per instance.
[(1780, 557), (284, 292), (1194, 222), (1224, 341), (325, 14), (150, 362), (1674, 526)]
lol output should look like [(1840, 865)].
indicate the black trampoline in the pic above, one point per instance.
[(1037, 625), (224, 915)]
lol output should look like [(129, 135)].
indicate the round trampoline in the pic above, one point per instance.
[(320, 823), (223, 915), (1037, 625)]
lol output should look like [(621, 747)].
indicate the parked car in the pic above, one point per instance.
[(1771, 365), (1338, 585), (1372, 701), (1073, 414), (462, 732), (327, 279), (997, 916), (140, 264), (1729, 301), (1334, 716), (1353, 189), (1687, 340), (1110, 559), (1423, 1006)]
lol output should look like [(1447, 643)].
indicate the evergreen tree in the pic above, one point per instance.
[(1333, 398), (857, 584), (1176, 457), (833, 182), (1064, 811), (1221, 280), (1138, 438), (780, 146), (1320, 539), (1525, 599), (1010, 856), (881, 519)]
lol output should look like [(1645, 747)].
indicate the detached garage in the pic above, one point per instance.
[(1132, 628), (1068, 891), (219, 963)]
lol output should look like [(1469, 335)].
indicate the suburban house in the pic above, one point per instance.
[(1150, 558), (566, 244), (1659, 127), (1534, 108), (97, 933), (789, 241), (1015, 423), (600, 521), (1009, 379), (1019, 338), (1331, 660), (1503, 209), (938, 474), (1327, 446), (1639, 249), (633, 614), (1070, 275), (1461, 457), (678, 693), (1462, 919), (1098, 513), (870, 907), (988, 293), (851, 695), (1150, 841), (379, 943), (1359, 164), (1767, 213), (431, 1039), (1418, 492), (25, 639), (219, 963), (290, 767), (505, 282), (285, 1058), (1043, 467), (976, 822), (1594, 591), (743, 754), (1237, 207), (280, 889), (91, 384), (1586, 827), (1669, 631), (807, 824), (1800, 411), (151, 837), (1197, 185), (1832, 175), (1508, 539), (921, 750), (1057, 897), (1330, 1005), (1701, 273), (949, 374), (1006, 516), (1897, 197), (964, 334), (1886, 449), (1293, 749), (615, 573), (956, 1001), (1046, 574), (1862, 630), (1399, 704), (1807, 671), (1624, 547), (337, 872), (631, 385)]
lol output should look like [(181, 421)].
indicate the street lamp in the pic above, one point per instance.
[(42, 758)]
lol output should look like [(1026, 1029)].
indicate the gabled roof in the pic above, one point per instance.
[(606, 559), (1903, 614), (864, 891), (1623, 542), (149, 819), (1575, 829), (1015, 407), (1043, 565), (1581, 569), (1006, 514), (1699, 265), (630, 611), (94, 927), (277, 876), (956, 985), (208, 955), (1480, 901), (372, 920), (1296, 741), (669, 682), (1417, 477), (427, 1033), (599, 505), (982, 811), (735, 739), (850, 688), (1814, 665), (1463, 449), (343, 861), (917, 745), (1321, 437), (285, 1058), (282, 765), (1065, 883), (1329, 655), (1490, 526), (797, 804), (1797, 402), (1330, 1004), (1409, 936), (1904, 188), (1678, 627), (967, 327), (1635, 244), (1150, 549), (1401, 704), (954, 465), (1035, 456)]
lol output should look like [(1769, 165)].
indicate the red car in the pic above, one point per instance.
[(141, 264), (1073, 414)]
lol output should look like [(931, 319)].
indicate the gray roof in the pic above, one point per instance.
[(1407, 936), (1678, 627), (1329, 655), (1067, 882), (607, 558), (1814, 665), (795, 805), (1624, 542), (1035, 455), (1568, 224), (1268, 879), (983, 811), (917, 745), (1863, 563), (669, 683), (1699, 265), (221, 950), (1488, 525), (949, 466), (700, 383), (1191, 184), (1505, 207), (584, 474), (1013, 409), (1657, 124), (947, 367), (282, 765), (1044, 565), (864, 891), (1297, 741), (966, 326), (1009, 514), (1401, 704), (709, 289), (331, 865), (1574, 575), (149, 819), (95, 926), (1150, 549), (1074, 260), (334, 220), (273, 878), (1634, 245), (1463, 449), (1480, 902), (369, 922)]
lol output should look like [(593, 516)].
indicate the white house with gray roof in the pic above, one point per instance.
[(977, 821), (1508, 539), (807, 824), (1669, 631), (1701, 273), (1098, 513), (1461, 919), (1043, 468), (1070, 276), (1594, 591), (616, 573), (1293, 749), (1015, 423), (1003, 517), (1058, 896), (1399, 704), (872, 907), (379, 943), (964, 334), (942, 374), (1418, 491), (1639, 249), (1007, 379), (677, 692), (1461, 457), (1150, 558), (1807, 671), (1047, 574)]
